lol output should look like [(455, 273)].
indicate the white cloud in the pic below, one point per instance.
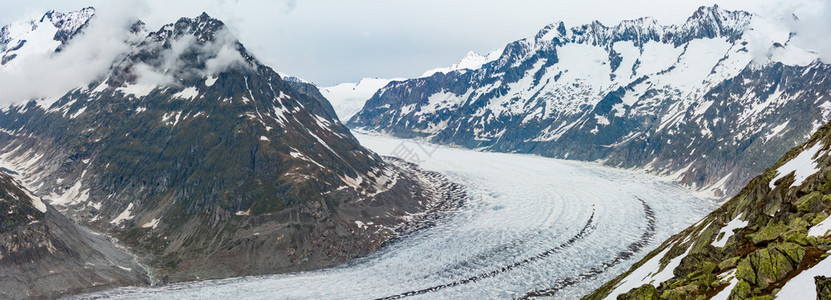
[(813, 28), (219, 54), (85, 57), (88, 56)]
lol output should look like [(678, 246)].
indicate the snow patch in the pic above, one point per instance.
[(152, 224), (727, 230), (124, 216), (137, 90), (187, 93), (802, 286), (820, 229), (803, 165)]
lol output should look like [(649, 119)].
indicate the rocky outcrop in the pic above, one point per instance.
[(753, 245)]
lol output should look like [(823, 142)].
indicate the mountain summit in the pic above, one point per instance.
[(208, 164)]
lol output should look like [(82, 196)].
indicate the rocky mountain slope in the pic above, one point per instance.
[(769, 241), (710, 102), (208, 163), (45, 255)]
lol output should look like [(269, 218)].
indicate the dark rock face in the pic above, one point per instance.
[(710, 115), (756, 242), (45, 255), (217, 168)]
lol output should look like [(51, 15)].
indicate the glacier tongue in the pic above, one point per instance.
[(530, 222)]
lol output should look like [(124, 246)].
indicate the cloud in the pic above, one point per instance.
[(219, 54), (105, 41), (83, 59), (812, 28)]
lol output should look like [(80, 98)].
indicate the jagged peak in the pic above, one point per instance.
[(203, 27), (705, 22), (77, 18)]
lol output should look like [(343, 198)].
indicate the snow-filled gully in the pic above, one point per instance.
[(532, 226)]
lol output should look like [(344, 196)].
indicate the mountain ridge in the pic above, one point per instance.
[(622, 95)]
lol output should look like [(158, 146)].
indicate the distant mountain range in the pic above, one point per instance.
[(203, 161), (349, 98), (709, 102)]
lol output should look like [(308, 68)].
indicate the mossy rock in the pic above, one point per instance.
[(741, 291), (703, 268), (705, 261), (729, 263), (799, 224), (687, 292), (769, 265), (817, 218), (796, 237), (769, 233), (644, 292), (810, 203)]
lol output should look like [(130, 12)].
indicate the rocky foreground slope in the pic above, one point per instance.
[(206, 162), (710, 102), (769, 241)]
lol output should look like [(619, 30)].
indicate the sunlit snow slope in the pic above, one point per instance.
[(531, 224)]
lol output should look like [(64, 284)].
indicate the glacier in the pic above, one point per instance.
[(530, 224)]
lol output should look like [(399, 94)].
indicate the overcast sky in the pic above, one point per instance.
[(334, 41)]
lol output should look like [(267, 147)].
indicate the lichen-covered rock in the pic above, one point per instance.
[(816, 218), (729, 263), (810, 202), (799, 224), (705, 261), (644, 292), (771, 264), (771, 232), (796, 237), (741, 291), (687, 292), (823, 287), (798, 232)]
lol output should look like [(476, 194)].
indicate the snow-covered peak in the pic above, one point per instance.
[(348, 98), (290, 78), (42, 35), (69, 22), (471, 61), (710, 22)]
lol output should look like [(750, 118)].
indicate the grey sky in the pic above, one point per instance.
[(333, 41)]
